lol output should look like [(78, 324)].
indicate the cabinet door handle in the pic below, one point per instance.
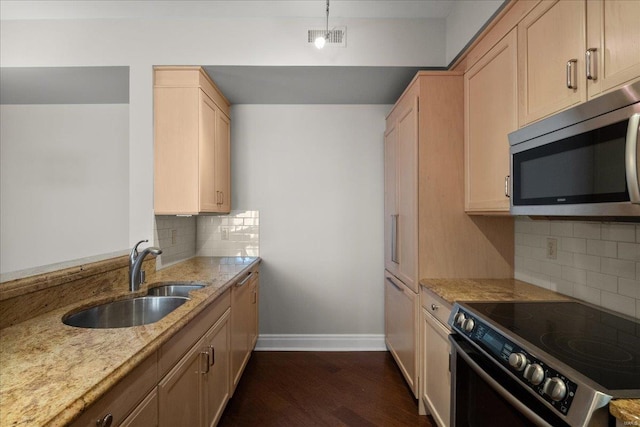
[(246, 279), (105, 422), (507, 193), (395, 219), (206, 362), (571, 71), (395, 285), (590, 59), (212, 361)]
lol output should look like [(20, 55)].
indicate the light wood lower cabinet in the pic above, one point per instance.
[(196, 390), (435, 388), (145, 414), (124, 397), (401, 328), (190, 379), (244, 324)]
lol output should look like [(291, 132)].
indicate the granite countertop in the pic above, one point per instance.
[(51, 372), (452, 290)]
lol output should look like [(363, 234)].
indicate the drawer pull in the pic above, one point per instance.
[(105, 422), (246, 279), (398, 287), (435, 307)]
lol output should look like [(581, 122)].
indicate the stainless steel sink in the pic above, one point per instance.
[(125, 313), (176, 289)]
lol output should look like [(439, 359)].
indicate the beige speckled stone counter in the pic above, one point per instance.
[(51, 372), (452, 290)]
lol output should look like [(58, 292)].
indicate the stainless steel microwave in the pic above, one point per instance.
[(580, 162)]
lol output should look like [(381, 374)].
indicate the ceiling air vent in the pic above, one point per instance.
[(337, 36)]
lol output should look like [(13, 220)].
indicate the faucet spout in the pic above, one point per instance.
[(136, 275)]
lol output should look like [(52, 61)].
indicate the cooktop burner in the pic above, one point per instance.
[(600, 345)]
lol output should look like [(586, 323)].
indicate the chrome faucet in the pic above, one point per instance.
[(136, 276)]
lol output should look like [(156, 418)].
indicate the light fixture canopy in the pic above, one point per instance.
[(322, 40)]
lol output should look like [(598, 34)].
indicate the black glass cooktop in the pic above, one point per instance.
[(602, 346)]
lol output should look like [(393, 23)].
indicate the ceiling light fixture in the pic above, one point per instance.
[(320, 41)]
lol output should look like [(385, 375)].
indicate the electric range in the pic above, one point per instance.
[(573, 357)]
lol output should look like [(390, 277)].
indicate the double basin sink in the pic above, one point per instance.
[(159, 302)]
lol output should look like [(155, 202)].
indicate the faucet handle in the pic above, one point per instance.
[(134, 252)]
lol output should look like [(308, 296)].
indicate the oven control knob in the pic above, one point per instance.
[(468, 324), (555, 388), (459, 319), (534, 373), (518, 361)]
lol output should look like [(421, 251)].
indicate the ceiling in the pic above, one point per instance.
[(241, 84)]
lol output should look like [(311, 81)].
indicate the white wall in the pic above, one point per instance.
[(316, 175), (142, 43), (64, 195), (464, 21)]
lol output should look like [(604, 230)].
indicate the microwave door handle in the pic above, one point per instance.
[(631, 158)]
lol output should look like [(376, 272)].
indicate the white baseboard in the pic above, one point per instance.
[(321, 342)]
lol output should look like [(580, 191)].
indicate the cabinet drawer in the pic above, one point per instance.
[(436, 306), (177, 346), (120, 400)]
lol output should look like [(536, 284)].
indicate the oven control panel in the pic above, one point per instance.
[(546, 382)]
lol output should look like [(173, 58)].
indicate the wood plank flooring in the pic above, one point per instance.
[(322, 389)]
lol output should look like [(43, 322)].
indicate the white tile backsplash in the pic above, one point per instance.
[(598, 262), (237, 234)]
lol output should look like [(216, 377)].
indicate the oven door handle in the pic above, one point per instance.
[(631, 158), (498, 388)]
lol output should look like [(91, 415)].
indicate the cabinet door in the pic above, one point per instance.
[(401, 307), (407, 173), (491, 101), (207, 155), (216, 381), (390, 198), (180, 391), (550, 38), (254, 312), (241, 318), (176, 117), (145, 414), (613, 31), (437, 381), (223, 162)]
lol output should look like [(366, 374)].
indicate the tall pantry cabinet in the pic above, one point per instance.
[(427, 233)]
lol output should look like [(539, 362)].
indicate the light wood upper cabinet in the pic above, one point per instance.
[(191, 143), (491, 95), (613, 31), (571, 51), (551, 48)]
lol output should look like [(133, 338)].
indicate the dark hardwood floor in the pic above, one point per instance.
[(322, 389)]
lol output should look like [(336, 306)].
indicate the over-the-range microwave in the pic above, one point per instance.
[(580, 162)]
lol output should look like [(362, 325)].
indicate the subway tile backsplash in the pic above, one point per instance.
[(176, 236), (594, 261), (237, 234), (233, 235)]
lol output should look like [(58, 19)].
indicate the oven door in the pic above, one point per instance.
[(482, 394)]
